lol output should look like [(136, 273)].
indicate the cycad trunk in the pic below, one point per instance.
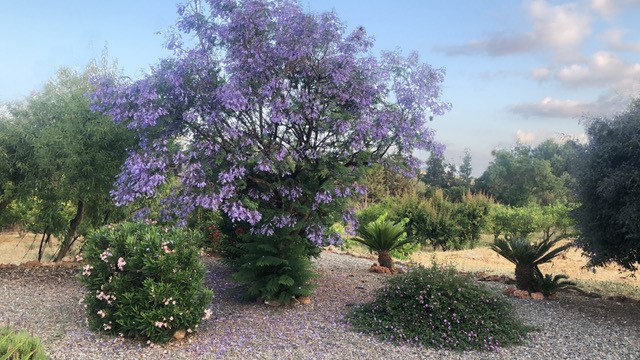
[(384, 259), (524, 276)]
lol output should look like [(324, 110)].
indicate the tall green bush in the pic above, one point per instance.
[(144, 281)]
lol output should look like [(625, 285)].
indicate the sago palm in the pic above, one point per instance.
[(382, 236), (527, 256), (549, 284)]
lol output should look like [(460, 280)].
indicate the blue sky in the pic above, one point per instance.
[(516, 70)]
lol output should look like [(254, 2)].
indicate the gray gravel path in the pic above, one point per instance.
[(45, 301)]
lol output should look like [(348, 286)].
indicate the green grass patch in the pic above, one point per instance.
[(19, 345)]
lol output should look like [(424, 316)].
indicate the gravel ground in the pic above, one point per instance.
[(45, 301)]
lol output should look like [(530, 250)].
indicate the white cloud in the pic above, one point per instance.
[(561, 28), (540, 73), (603, 70), (567, 108), (550, 107), (608, 8), (613, 40), (525, 137), (536, 137)]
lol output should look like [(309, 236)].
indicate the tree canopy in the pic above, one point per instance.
[(271, 108), (524, 175), (58, 159), (270, 115), (609, 190)]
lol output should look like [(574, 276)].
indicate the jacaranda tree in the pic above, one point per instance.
[(270, 114)]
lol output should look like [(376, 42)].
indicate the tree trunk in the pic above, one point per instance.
[(384, 259), (524, 276), (71, 233), (3, 205)]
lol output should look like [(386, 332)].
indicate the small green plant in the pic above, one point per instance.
[(549, 284), (144, 281), (527, 255), (438, 308), (382, 236), (19, 345)]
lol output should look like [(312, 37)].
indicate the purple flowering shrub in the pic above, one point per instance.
[(144, 281), (435, 307), (269, 114)]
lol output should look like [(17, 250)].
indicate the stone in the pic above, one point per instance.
[(521, 294), (537, 296), (379, 269), (509, 291), (31, 264), (304, 300), (274, 303), (180, 334)]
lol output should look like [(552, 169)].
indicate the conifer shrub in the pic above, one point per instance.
[(19, 345), (144, 281), (436, 307), (274, 268)]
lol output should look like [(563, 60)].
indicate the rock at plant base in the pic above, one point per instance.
[(379, 269), (521, 294), (537, 296), (509, 291), (180, 334), (304, 300), (31, 264), (274, 303)]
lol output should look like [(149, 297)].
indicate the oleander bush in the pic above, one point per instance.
[(144, 281), (19, 345), (436, 307)]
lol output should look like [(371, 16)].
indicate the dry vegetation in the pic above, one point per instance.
[(607, 281), (16, 248)]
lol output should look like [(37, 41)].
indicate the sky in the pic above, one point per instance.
[(516, 71)]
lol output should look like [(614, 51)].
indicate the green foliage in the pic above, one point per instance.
[(521, 176), (207, 223), (382, 236), (549, 284), (472, 217), (438, 308), (551, 220), (19, 345), (274, 267), (608, 181), (382, 183), (527, 255), (60, 158), (435, 220), (143, 280)]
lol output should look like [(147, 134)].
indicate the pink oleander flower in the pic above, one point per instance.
[(161, 324), (78, 258), (105, 255), (121, 264), (86, 270), (207, 314), (102, 313), (107, 326)]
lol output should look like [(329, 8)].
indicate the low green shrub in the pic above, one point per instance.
[(144, 281), (19, 345), (549, 285), (436, 307)]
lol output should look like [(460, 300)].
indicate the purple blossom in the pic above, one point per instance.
[(261, 114)]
